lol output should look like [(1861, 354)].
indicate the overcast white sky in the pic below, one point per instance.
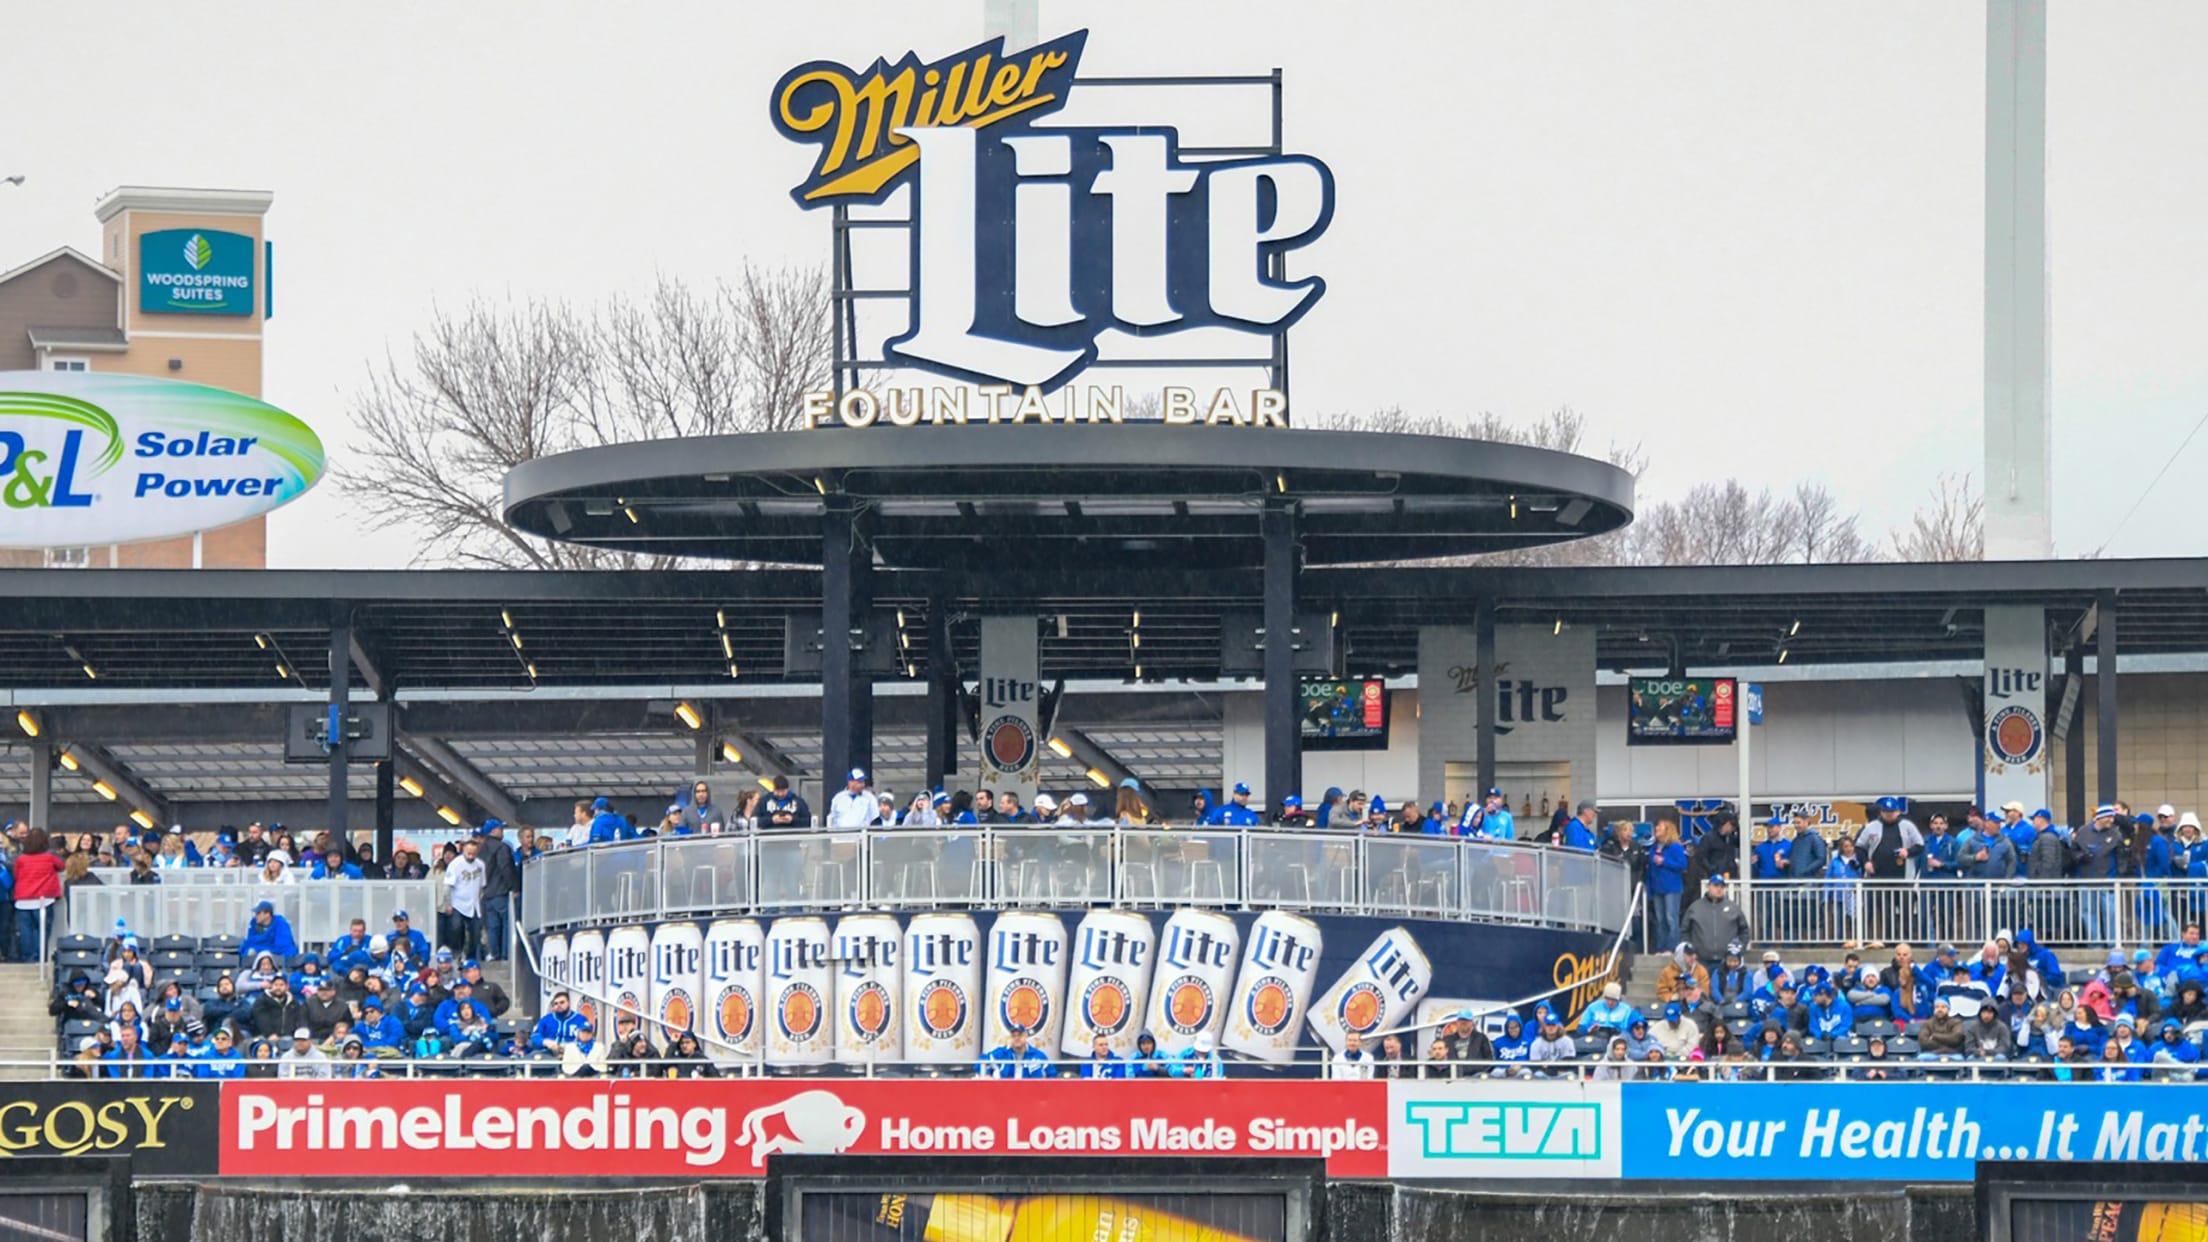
[(1746, 235)]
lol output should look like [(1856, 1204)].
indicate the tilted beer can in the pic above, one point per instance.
[(1379, 992), (1272, 991), (1188, 989)]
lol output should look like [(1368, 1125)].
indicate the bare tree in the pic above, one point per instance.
[(1951, 527), (494, 386)]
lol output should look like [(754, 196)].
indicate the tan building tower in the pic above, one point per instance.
[(180, 289)]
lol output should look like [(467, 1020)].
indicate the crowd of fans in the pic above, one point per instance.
[(271, 1005)]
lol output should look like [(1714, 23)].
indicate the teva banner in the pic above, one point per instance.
[(729, 1127), (166, 1128), (195, 272), (1112, 234), (93, 459), (1505, 1128)]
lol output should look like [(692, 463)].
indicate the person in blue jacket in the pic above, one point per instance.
[(1829, 1016), (1579, 830), (267, 932), (2157, 863), (1200, 807), (352, 949), (605, 826), (1235, 812), (1513, 1045), (1489, 818), (378, 1029), (221, 1059), (331, 864), (1774, 852), (1147, 1061), (1870, 998), (556, 1027), (1667, 879), (402, 931), (2175, 1054), (2168, 958), (1102, 1062), (1611, 1015), (1015, 1058), (2086, 1030), (2041, 958)]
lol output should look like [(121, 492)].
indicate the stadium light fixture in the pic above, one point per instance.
[(104, 789), (1795, 628), (688, 715), (261, 641), (25, 721), (1058, 747), (449, 815), (68, 761), (412, 787), (89, 673), (506, 617), (730, 753), (766, 784), (1782, 655), (1099, 780), (282, 673), (140, 818)]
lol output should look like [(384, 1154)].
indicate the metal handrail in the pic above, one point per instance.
[(2065, 913), (773, 871)]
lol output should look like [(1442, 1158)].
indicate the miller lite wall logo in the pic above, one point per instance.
[(735, 968), (552, 976), (1032, 245), (868, 980), (2015, 734), (587, 960), (628, 971), (797, 992), (1196, 956), (1272, 991), (942, 984), (1385, 985), (1027, 976)]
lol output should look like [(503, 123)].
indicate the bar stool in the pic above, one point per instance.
[(906, 889)]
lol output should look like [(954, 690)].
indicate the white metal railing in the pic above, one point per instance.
[(2101, 914), (318, 911), (923, 868)]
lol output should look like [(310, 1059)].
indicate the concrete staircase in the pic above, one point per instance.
[(26, 1031)]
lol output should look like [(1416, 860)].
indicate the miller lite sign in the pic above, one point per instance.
[(1113, 951), (678, 977), (1196, 956), (868, 984), (552, 973), (1011, 745), (1280, 970), (1035, 247), (2015, 724), (735, 980), (942, 994), (1027, 977), (628, 975), (586, 959), (799, 992), (1377, 993)]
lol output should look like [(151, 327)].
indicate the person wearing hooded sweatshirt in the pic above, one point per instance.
[(1990, 1039), (1609, 1016), (1732, 980), (1638, 1039), (2173, 1055), (2086, 1030), (2041, 958), (606, 826), (2191, 1005), (1514, 1047), (1685, 964), (267, 932)]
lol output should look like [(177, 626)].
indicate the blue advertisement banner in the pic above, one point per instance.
[(195, 272), (1899, 1132)]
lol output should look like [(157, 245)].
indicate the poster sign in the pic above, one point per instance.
[(87, 458), (2015, 726), (1011, 700), (195, 272)]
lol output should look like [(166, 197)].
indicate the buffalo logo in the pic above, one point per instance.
[(1188, 1005), (1361, 1008), (810, 1121), (1106, 1005), (675, 1009), (1025, 1003), (870, 1011), (942, 1009), (1270, 1006), (799, 1012), (735, 1007), (2013, 736), (1009, 744)]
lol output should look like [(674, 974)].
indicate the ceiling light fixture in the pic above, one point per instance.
[(449, 815), (688, 715), (68, 761), (25, 721), (1059, 748), (412, 787), (104, 789), (1099, 780), (730, 753)]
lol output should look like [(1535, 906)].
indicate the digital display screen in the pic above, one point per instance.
[(1343, 713), (2106, 1220), (1681, 711), (858, 1216)]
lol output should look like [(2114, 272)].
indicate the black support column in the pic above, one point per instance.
[(387, 810), (846, 693), (341, 690), (2104, 682), (1283, 744), (942, 730), (42, 784), (1483, 658), (2073, 741)]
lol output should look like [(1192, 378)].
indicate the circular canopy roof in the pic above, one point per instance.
[(1075, 497)]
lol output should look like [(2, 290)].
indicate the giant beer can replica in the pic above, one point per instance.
[(1027, 977), (1188, 989), (1379, 992), (942, 993), (799, 992), (1112, 955), (735, 982), (866, 955), (1272, 991), (678, 979)]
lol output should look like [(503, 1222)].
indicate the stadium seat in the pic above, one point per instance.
[(175, 944), (1734, 1012), (217, 960), (76, 1030), (1592, 1045), (175, 959), (221, 944), (1904, 1046), (1867, 1027), (189, 978), (1818, 1048), (70, 961), (1852, 1046)]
